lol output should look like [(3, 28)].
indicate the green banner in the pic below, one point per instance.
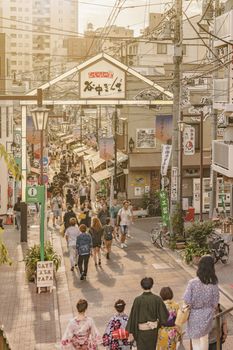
[(164, 207)]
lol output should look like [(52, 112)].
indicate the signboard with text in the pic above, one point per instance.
[(102, 80), (44, 274), (166, 155), (174, 183), (189, 140), (164, 207)]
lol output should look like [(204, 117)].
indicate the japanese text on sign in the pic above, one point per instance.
[(189, 140), (102, 80), (44, 276), (166, 155)]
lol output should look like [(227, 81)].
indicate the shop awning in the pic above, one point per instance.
[(102, 175), (121, 157)]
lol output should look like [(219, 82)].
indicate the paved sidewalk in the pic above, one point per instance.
[(29, 319), (36, 322)]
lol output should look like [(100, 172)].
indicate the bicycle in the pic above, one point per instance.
[(219, 248), (159, 236)]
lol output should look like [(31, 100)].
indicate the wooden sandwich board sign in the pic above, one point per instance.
[(44, 275)]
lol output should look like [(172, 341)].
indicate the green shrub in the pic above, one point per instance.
[(33, 256)]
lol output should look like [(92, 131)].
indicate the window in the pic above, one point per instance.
[(13, 8), (162, 49)]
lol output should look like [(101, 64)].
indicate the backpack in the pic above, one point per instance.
[(108, 233)]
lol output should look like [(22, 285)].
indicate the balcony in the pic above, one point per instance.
[(222, 155), (223, 28)]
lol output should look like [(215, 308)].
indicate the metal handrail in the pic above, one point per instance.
[(4, 345), (218, 324)]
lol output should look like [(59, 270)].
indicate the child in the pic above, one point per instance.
[(213, 332), (108, 236)]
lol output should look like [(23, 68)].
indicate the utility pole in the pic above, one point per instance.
[(214, 122), (177, 60), (115, 152)]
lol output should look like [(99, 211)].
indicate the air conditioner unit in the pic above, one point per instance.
[(222, 158)]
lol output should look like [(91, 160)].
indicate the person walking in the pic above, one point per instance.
[(108, 233), (103, 214), (81, 332), (56, 204), (84, 248), (82, 192), (116, 322), (213, 335), (68, 215), (124, 219), (169, 334), (17, 211), (202, 295), (147, 314), (71, 235), (69, 198), (85, 213), (96, 232)]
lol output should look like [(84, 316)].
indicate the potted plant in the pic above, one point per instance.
[(33, 256), (197, 244)]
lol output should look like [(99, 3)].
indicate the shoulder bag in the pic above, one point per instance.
[(182, 315)]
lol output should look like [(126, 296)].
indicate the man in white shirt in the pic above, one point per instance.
[(124, 219), (71, 235)]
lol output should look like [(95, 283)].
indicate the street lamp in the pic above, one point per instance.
[(40, 119), (82, 114), (131, 144)]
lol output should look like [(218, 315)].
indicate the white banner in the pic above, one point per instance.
[(102, 80), (189, 140), (166, 155), (174, 183)]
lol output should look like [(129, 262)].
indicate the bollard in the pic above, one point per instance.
[(24, 222)]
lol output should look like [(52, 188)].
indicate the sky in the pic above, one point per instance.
[(97, 12)]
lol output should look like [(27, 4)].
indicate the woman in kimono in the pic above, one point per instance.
[(116, 322), (81, 332), (169, 334)]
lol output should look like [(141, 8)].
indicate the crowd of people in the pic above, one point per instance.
[(151, 323)]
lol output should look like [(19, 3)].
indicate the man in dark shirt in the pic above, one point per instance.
[(84, 247), (147, 314), (68, 215)]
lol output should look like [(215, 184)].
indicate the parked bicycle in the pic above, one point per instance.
[(159, 235), (219, 248)]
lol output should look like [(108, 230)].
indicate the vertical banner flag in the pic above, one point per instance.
[(174, 183), (166, 155), (189, 140), (163, 128), (106, 148), (164, 207)]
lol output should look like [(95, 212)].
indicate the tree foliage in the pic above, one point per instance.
[(4, 255), (12, 166)]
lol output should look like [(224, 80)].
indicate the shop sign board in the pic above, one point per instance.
[(102, 80), (189, 140), (44, 274), (166, 155), (174, 183), (164, 207)]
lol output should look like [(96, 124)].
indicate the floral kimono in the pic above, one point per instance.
[(116, 322), (80, 335), (169, 334)]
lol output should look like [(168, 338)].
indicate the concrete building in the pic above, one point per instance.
[(36, 29), (110, 40), (6, 127), (222, 160)]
